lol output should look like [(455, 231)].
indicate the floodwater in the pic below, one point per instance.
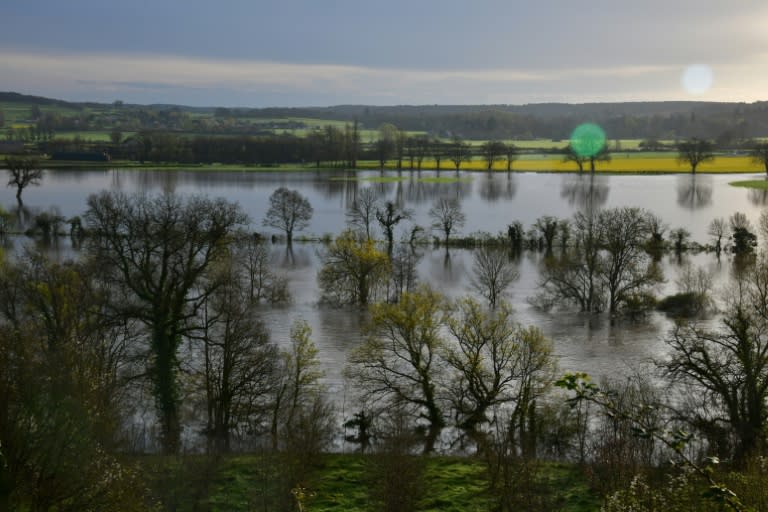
[(590, 343)]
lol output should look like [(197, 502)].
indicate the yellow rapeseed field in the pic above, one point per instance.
[(619, 164)]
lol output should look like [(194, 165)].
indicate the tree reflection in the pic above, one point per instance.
[(758, 196), (586, 191), (694, 192), (494, 187)]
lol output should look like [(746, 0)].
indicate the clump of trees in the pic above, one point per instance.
[(487, 362), (606, 266)]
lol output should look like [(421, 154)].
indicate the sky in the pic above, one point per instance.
[(261, 53)]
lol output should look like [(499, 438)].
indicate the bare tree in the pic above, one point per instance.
[(236, 362), (695, 151), (362, 212), (155, 250), (24, 172), (728, 367), (718, 229), (447, 216), (289, 211), (389, 217), (627, 270), (492, 273)]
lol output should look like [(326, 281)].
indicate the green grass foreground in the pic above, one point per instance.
[(344, 482), (758, 184)]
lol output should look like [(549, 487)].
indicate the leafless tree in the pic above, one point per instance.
[(389, 217), (24, 172), (728, 367), (288, 211), (718, 230), (447, 216), (492, 273), (362, 212), (155, 250)]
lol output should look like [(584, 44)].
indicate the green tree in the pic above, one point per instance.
[(494, 362), (399, 363), (298, 383), (694, 152), (353, 270)]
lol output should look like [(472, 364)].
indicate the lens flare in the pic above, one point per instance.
[(587, 140), (697, 79)]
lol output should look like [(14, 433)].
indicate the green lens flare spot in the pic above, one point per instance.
[(587, 140)]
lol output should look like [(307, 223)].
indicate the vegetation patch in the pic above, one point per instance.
[(758, 184)]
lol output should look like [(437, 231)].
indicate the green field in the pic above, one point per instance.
[(345, 483), (757, 184)]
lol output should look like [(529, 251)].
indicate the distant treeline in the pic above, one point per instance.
[(725, 122)]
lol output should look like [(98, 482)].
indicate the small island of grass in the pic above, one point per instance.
[(761, 184)]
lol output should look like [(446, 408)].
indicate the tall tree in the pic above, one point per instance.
[(728, 368), (492, 273), (362, 212), (495, 362), (155, 250), (695, 151), (288, 211), (399, 363)]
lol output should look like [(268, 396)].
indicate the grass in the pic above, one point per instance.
[(341, 483), (758, 184), (395, 179)]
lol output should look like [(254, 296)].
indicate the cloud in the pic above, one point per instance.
[(171, 78)]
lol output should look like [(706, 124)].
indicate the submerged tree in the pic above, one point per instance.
[(447, 216), (289, 211), (492, 273), (24, 172), (399, 363), (361, 214), (728, 368), (494, 363), (155, 250), (389, 217), (353, 270)]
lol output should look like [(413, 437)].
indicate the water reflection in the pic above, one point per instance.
[(585, 191), (494, 187), (758, 196), (694, 192)]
